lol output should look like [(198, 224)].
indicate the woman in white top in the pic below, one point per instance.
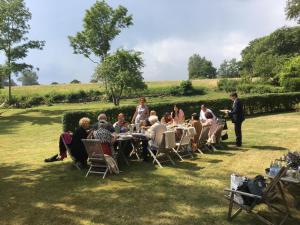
[(141, 112), (212, 122), (203, 111)]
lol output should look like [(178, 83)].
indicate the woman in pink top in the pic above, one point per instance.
[(178, 115), (210, 121)]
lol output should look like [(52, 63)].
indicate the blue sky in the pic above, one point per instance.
[(167, 31)]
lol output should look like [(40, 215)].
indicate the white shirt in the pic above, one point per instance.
[(202, 114)]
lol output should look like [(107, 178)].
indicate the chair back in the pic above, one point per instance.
[(93, 148), (67, 147), (218, 133), (169, 139), (191, 131), (185, 139), (204, 134), (270, 188)]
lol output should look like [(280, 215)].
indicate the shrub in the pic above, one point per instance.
[(252, 88), (75, 82), (228, 85), (55, 97), (291, 84), (267, 103), (290, 74), (35, 101)]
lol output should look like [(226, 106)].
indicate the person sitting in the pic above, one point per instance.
[(106, 139), (212, 122), (147, 123), (178, 115), (195, 122), (155, 132), (102, 122), (121, 126), (166, 119), (203, 111)]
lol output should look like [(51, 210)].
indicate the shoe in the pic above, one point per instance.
[(52, 159)]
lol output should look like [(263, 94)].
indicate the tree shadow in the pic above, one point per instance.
[(269, 147)]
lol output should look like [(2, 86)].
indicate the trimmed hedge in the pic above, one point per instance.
[(253, 105)]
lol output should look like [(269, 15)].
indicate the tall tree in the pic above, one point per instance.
[(200, 67), (101, 25), (292, 10), (29, 77), (229, 68), (14, 18), (122, 72)]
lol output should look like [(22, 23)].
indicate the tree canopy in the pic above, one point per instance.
[(200, 67), (293, 10), (121, 72), (29, 77), (101, 25), (229, 68), (14, 18)]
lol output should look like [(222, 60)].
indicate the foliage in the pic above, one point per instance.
[(290, 74), (200, 67), (252, 104), (54, 83), (14, 26), (265, 56), (228, 85), (229, 68), (75, 82), (122, 73), (185, 89), (28, 78), (252, 88), (293, 10), (101, 25)]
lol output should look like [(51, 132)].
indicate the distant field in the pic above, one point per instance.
[(67, 88)]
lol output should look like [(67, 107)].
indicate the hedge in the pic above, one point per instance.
[(253, 105)]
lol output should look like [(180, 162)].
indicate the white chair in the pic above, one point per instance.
[(183, 148)]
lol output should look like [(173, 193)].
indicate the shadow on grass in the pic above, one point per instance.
[(268, 147)]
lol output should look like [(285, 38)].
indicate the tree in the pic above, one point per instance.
[(14, 17), (101, 25), (292, 10), (75, 82), (290, 74), (122, 73), (28, 78), (229, 68), (54, 83), (200, 67)]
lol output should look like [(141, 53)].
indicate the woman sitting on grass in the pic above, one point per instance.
[(74, 143)]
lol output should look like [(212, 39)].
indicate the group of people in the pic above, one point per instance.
[(106, 132)]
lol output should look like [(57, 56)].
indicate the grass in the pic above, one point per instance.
[(68, 88), (33, 192)]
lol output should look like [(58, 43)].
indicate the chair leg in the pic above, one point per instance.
[(154, 158), (176, 152), (199, 150), (88, 171), (105, 173), (171, 160)]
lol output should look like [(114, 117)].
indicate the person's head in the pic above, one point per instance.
[(209, 115), (233, 96), (102, 117), (175, 109), (121, 117), (195, 116), (84, 122), (142, 100), (153, 113), (153, 119), (203, 108)]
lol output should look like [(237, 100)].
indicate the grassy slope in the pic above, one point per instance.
[(67, 88), (32, 192)]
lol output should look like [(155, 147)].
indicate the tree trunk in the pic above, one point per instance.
[(9, 89), (116, 100)]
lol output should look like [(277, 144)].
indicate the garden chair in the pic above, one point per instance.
[(202, 142), (96, 158), (69, 153), (215, 138), (161, 153), (183, 148), (272, 188)]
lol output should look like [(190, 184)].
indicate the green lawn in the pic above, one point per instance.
[(32, 192)]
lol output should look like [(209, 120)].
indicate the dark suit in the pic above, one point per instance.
[(237, 117)]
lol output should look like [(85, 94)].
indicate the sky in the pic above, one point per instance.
[(168, 32)]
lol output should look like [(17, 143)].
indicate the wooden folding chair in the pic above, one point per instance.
[(161, 154), (274, 187), (203, 139), (182, 148), (96, 158)]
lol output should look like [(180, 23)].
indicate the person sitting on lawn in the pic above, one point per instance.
[(73, 141), (203, 111), (102, 122), (177, 115), (166, 119), (212, 122), (106, 139), (195, 122), (121, 126)]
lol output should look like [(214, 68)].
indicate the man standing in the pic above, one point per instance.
[(237, 117)]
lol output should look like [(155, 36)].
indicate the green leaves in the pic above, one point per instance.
[(101, 25), (292, 10), (200, 67)]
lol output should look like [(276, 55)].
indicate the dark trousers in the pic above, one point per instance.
[(238, 133)]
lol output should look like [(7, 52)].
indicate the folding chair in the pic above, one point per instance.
[(69, 153), (182, 148), (202, 141), (160, 151), (215, 138), (274, 187), (96, 158)]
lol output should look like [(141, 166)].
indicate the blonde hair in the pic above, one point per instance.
[(152, 113), (84, 122)]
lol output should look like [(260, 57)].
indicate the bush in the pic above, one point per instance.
[(253, 88), (228, 85), (290, 74), (35, 101), (75, 82), (267, 103), (291, 84)]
